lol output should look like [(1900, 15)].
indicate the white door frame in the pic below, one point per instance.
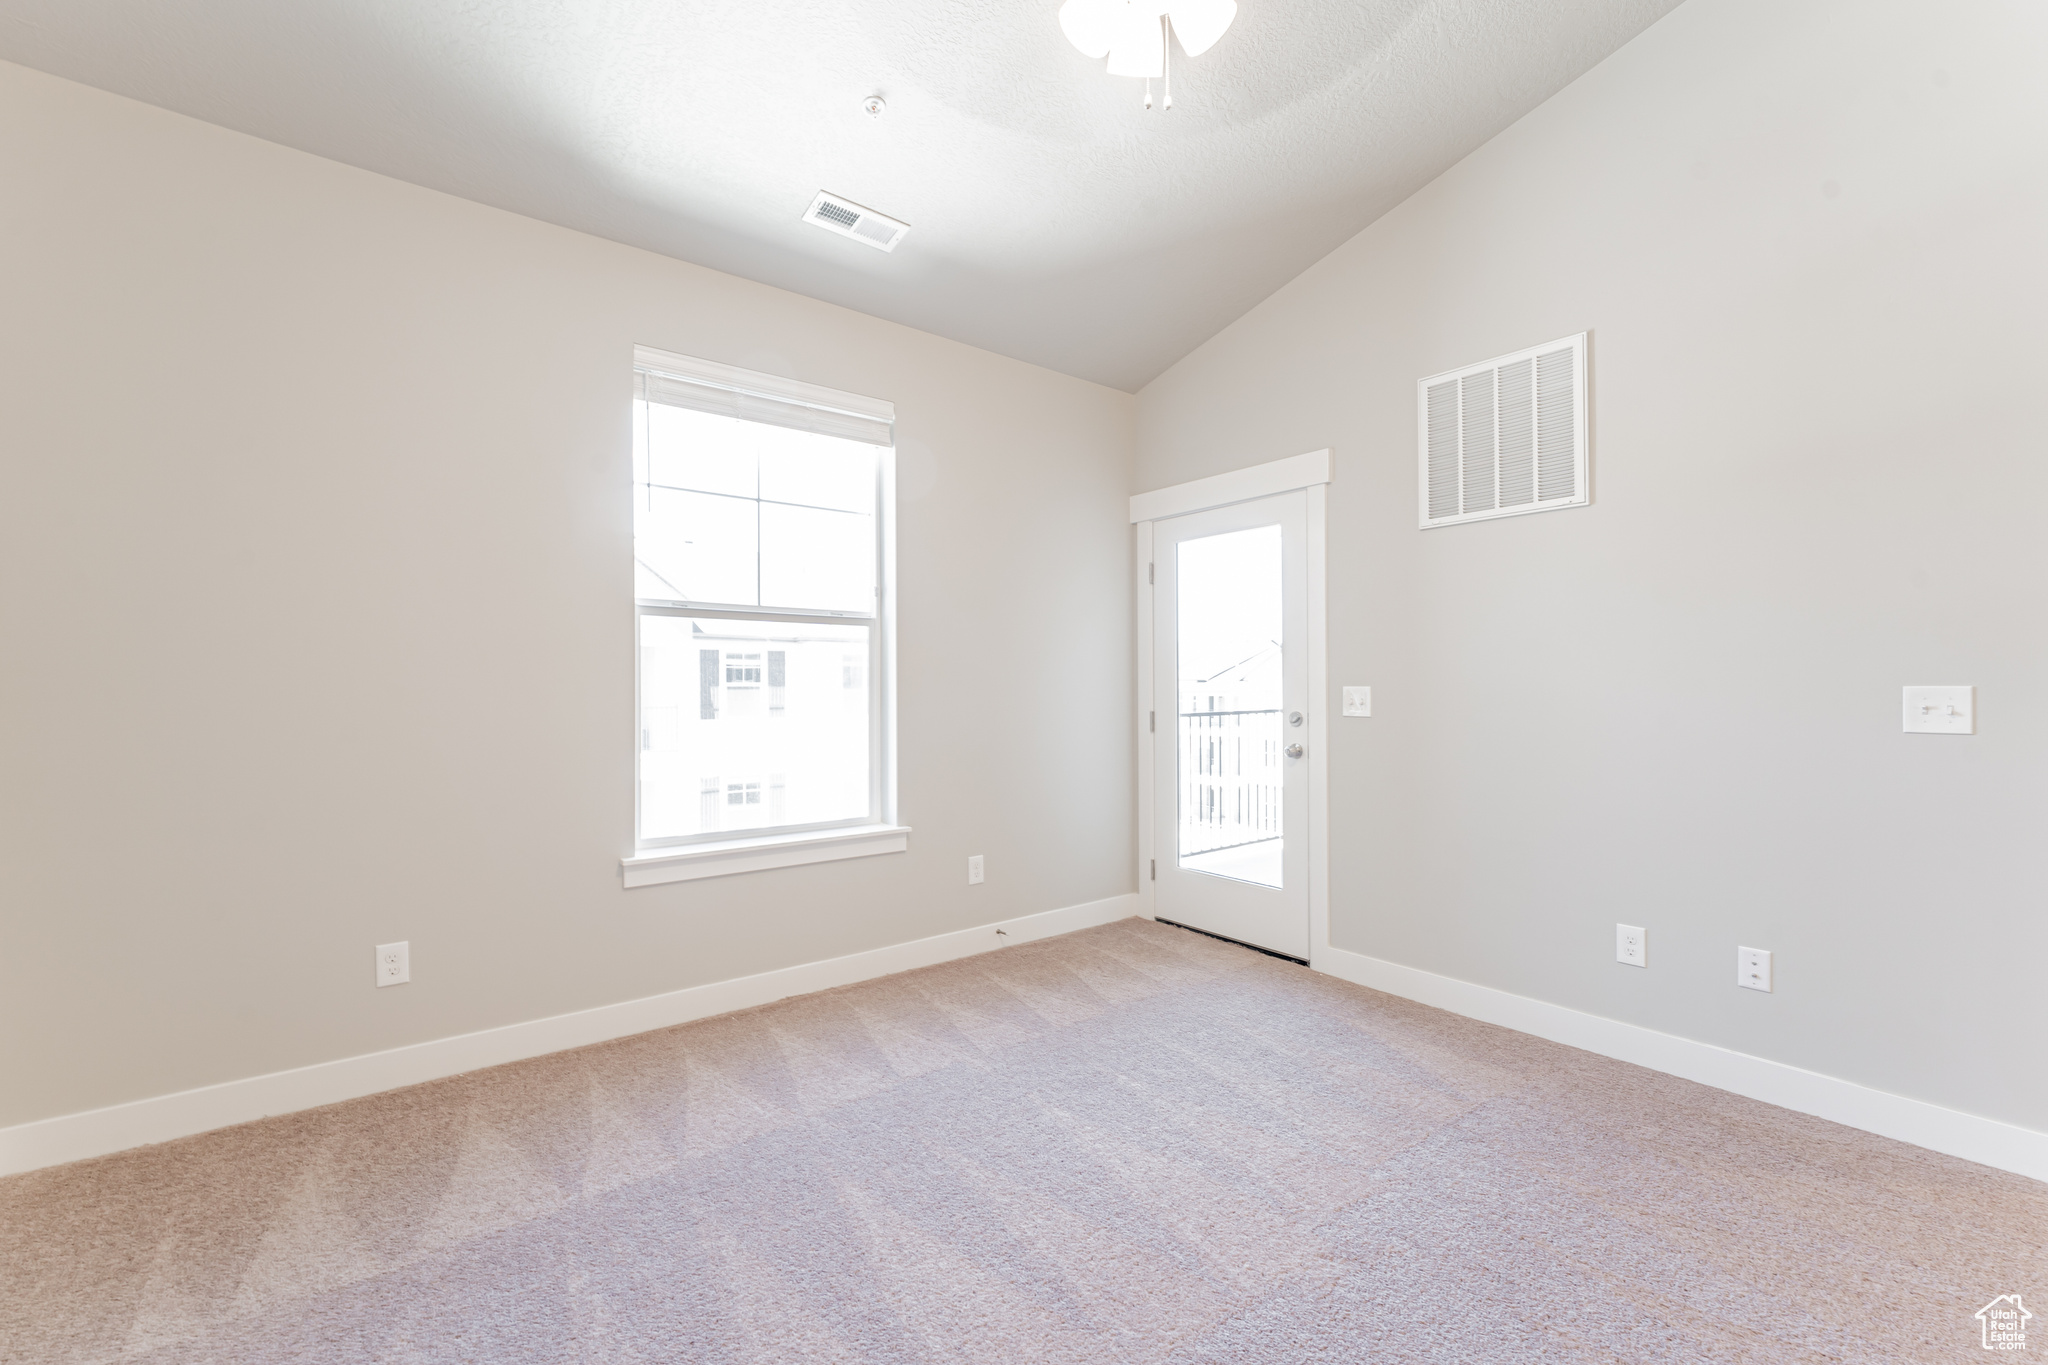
[(1310, 472)]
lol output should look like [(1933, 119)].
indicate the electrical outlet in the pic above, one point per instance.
[(1753, 968), (1358, 701), (1631, 945), (394, 964), (974, 870)]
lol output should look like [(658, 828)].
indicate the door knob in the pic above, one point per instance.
[(1294, 751)]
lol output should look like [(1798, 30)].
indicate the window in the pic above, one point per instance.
[(760, 559)]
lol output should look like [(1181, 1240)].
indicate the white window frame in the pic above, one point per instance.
[(696, 856)]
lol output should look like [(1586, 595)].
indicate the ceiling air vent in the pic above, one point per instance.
[(1504, 437), (849, 219)]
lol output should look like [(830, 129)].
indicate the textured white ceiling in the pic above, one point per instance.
[(1053, 219)]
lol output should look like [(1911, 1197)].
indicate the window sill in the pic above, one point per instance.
[(692, 861)]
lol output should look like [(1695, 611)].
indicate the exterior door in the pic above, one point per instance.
[(1230, 682)]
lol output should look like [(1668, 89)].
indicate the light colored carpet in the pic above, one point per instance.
[(1132, 1144)]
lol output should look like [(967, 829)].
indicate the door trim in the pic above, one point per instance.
[(1239, 485), (1310, 472), (1318, 729), (1147, 740)]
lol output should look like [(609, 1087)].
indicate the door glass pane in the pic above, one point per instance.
[(750, 724), (1228, 733)]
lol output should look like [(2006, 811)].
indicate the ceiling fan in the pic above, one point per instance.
[(1137, 35)]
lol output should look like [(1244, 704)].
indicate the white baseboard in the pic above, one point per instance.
[(1970, 1136), (73, 1137)]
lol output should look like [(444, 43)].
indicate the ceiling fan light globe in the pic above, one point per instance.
[(1199, 23), (1091, 25), (1139, 48)]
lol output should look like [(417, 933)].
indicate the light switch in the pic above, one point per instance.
[(1358, 701), (1941, 710)]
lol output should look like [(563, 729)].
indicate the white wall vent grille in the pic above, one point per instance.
[(849, 219), (1504, 437)]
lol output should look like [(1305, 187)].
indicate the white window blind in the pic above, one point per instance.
[(726, 391), (1505, 436)]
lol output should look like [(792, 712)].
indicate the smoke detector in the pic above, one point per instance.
[(849, 219)]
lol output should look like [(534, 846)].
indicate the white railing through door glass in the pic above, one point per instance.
[(1230, 779)]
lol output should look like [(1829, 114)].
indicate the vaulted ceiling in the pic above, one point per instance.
[(1052, 217)]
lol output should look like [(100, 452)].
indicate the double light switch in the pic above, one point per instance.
[(1941, 710)]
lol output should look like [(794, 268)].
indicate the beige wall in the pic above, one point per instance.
[(1808, 240), (315, 622)]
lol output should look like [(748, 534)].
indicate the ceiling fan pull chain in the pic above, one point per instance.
[(1148, 92), (1166, 58)]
